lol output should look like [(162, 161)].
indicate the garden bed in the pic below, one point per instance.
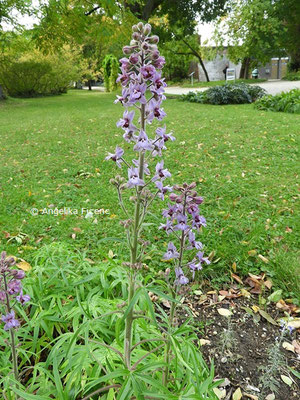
[(241, 356)]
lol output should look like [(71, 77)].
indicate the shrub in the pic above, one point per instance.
[(35, 74), (110, 71), (232, 93), (285, 102), (292, 76)]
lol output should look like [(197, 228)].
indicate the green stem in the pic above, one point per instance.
[(133, 255), (173, 305), (12, 334)]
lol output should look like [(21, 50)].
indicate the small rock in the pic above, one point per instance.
[(223, 360)]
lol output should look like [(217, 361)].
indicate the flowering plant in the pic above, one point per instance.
[(143, 90), (10, 293)]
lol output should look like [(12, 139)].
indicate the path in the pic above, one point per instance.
[(272, 87)]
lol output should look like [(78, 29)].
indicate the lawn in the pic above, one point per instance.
[(187, 83), (244, 162)]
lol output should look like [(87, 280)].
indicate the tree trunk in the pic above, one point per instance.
[(2, 95), (245, 68), (90, 84), (196, 54)]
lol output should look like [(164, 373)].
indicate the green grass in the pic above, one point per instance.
[(187, 83), (244, 161)]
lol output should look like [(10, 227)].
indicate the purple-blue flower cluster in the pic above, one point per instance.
[(183, 219), (143, 89), (10, 290)]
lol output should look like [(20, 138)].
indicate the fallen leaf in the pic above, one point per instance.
[(288, 346), (245, 293), (264, 259), (270, 396), (234, 267), (76, 229), (296, 345), (237, 278), (251, 396), (255, 308), (25, 266), (295, 323), (237, 395), (203, 342), (268, 284), (252, 253), (286, 380), (219, 393), (268, 317), (224, 312)]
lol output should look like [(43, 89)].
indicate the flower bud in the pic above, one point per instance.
[(145, 46), (135, 28), (173, 196), (153, 39), (112, 181), (147, 29), (140, 26), (136, 36), (18, 274), (127, 49), (198, 200), (155, 54)]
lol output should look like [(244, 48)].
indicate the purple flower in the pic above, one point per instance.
[(117, 156), (199, 221), (143, 143), (181, 225), (202, 259), (168, 227), (154, 111), (122, 99), (180, 278), (158, 84), (148, 71), (170, 211), (137, 93), (193, 242), (126, 121), (171, 252), (23, 298), (163, 189), (134, 58), (194, 267), (161, 132), (193, 209), (159, 62), (14, 287), (134, 179), (124, 77), (161, 172), (125, 64), (159, 145), (10, 321)]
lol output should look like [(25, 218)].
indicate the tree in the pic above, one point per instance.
[(6, 16), (177, 19), (256, 30)]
